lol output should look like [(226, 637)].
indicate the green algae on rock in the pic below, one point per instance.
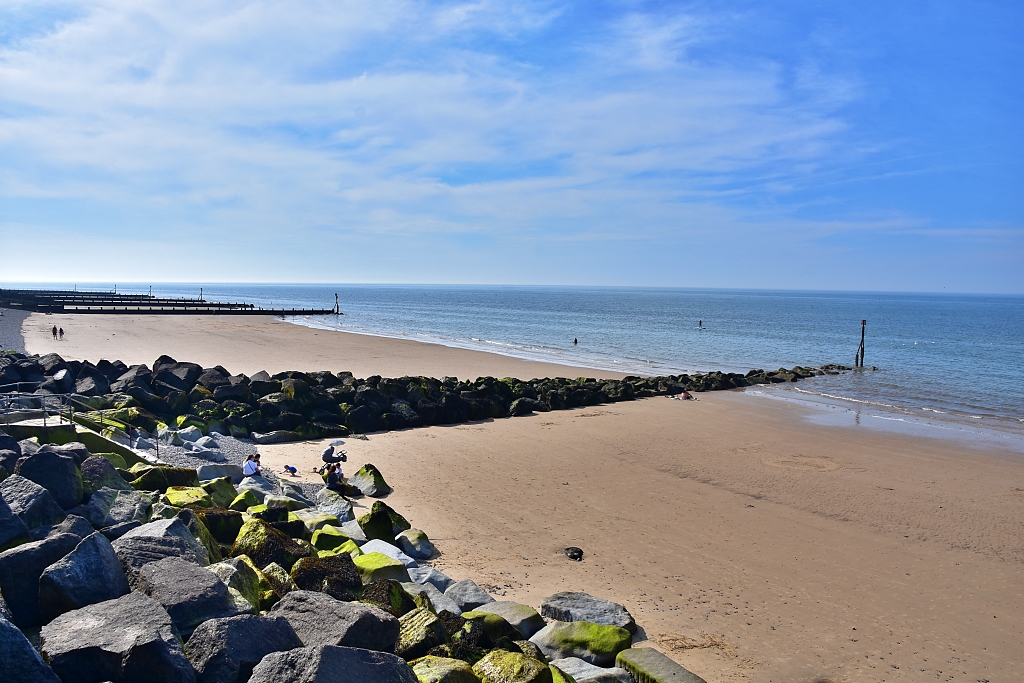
[(647, 665), (501, 666), (186, 496), (243, 501), (594, 643), (378, 524), (419, 631), (495, 626), (375, 566), (265, 544), (389, 595), (329, 537), (221, 491), (370, 482), (432, 669)]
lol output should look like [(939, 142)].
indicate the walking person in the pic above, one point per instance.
[(62, 334)]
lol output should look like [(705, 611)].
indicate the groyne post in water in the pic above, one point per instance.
[(858, 358)]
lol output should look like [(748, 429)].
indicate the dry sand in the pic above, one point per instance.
[(250, 344), (748, 543)]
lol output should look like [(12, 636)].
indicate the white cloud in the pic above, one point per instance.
[(270, 126)]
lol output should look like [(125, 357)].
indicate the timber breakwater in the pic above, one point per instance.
[(73, 301)]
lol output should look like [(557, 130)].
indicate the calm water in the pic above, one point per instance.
[(948, 357)]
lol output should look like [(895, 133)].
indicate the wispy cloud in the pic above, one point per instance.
[(335, 122)]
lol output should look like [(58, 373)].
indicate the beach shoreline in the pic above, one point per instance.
[(751, 543)]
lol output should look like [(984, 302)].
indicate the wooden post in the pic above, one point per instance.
[(860, 351), (336, 303)]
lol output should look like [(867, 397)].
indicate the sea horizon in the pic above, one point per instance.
[(916, 341)]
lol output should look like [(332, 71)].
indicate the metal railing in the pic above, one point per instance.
[(16, 406)]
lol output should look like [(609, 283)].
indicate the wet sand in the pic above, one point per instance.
[(749, 543)]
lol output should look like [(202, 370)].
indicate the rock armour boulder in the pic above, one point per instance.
[(415, 544), (21, 663), (370, 481), (523, 618), (155, 541), (32, 503), (12, 530), (98, 473), (89, 574), (127, 640), (265, 544), (326, 663), (571, 606), (584, 672), (647, 665), (467, 595), (594, 643), (501, 666), (319, 619), (20, 569), (389, 549), (226, 650), (189, 593), (432, 669)]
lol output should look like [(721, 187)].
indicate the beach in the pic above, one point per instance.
[(749, 543)]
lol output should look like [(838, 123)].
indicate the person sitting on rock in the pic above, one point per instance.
[(251, 468), (334, 477)]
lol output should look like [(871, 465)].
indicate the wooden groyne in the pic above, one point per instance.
[(68, 301)]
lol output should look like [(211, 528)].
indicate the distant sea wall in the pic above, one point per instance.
[(308, 405)]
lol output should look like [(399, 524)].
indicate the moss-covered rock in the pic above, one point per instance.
[(495, 626), (431, 669), (501, 666), (647, 665), (335, 575), (116, 460), (239, 576), (379, 523), (185, 421), (279, 579), (314, 519), (221, 491), (530, 650), (186, 497), (559, 676), (370, 482), (243, 501), (375, 566), (523, 618), (594, 643), (284, 502), (329, 537), (389, 595), (160, 478), (419, 631), (347, 548), (265, 544), (224, 525)]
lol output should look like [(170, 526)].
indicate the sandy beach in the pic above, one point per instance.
[(749, 543)]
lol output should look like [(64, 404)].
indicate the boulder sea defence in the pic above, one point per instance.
[(180, 402)]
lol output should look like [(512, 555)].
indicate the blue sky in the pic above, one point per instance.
[(820, 145)]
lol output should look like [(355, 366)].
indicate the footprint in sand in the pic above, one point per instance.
[(804, 463)]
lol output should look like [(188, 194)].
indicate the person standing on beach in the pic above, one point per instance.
[(61, 334), (55, 332)]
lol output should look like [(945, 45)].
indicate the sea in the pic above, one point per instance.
[(941, 364)]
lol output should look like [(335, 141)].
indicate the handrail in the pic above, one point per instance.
[(66, 402)]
